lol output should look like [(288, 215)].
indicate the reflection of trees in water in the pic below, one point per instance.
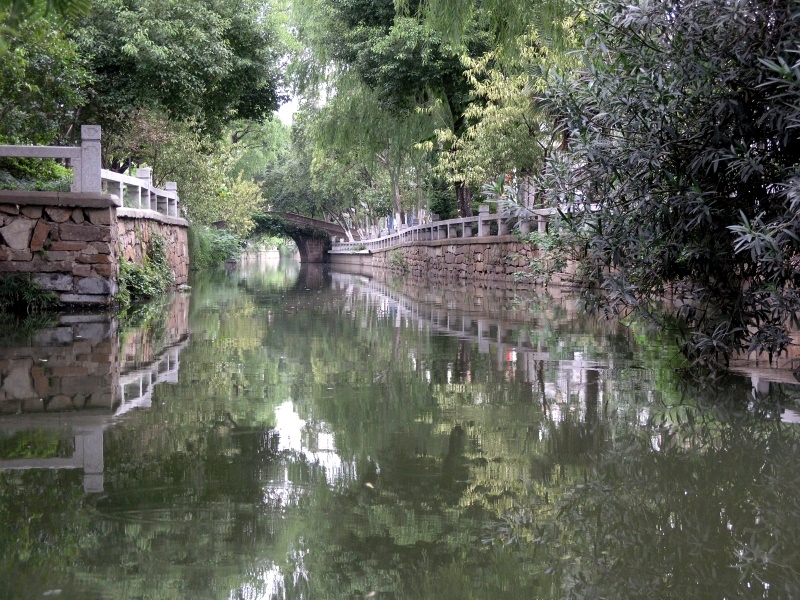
[(698, 510)]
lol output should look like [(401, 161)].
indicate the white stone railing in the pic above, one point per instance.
[(84, 160), (466, 227), (88, 176), (139, 192)]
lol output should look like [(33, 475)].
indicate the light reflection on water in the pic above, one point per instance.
[(290, 432)]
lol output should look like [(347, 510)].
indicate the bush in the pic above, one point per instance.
[(681, 134), (143, 282), (34, 175), (210, 247)]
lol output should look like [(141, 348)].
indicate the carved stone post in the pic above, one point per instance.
[(90, 162), (171, 186), (143, 175)]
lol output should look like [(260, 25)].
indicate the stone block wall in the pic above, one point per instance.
[(496, 259), (71, 243), (67, 241), (135, 230)]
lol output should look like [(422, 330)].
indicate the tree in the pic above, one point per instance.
[(43, 81), (15, 14), (213, 61), (406, 65), (681, 135)]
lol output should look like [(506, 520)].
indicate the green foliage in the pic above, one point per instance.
[(17, 13), (43, 82), (19, 295), (211, 188), (212, 61), (690, 170), (146, 281), (34, 175), (395, 81), (256, 146), (553, 253), (210, 247), (277, 226)]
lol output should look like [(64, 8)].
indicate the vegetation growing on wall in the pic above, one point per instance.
[(148, 280)]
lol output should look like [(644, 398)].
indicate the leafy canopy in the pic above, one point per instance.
[(682, 165)]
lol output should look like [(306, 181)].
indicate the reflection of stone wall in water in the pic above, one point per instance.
[(72, 366), (70, 382), (140, 345), (76, 365), (511, 299)]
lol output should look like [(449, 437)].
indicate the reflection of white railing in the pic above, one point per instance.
[(136, 387), (135, 391), (87, 435), (486, 224), (487, 332)]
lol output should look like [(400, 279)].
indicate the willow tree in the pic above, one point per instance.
[(407, 66)]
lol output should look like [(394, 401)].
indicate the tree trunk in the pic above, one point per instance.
[(464, 199)]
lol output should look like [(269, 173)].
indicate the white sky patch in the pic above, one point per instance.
[(286, 111), (295, 434)]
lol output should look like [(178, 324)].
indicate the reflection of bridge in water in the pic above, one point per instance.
[(70, 385)]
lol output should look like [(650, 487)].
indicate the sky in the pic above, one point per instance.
[(286, 111)]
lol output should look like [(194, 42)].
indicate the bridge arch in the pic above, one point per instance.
[(313, 237)]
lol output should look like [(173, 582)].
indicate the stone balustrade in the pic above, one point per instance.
[(84, 160), (485, 224), (71, 243), (140, 193)]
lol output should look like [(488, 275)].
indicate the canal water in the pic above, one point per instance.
[(300, 433)]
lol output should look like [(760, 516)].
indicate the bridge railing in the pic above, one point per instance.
[(485, 224), (88, 176)]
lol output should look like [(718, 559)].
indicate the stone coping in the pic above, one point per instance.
[(143, 213), (71, 199)]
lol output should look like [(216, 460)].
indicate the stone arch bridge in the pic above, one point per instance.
[(312, 236)]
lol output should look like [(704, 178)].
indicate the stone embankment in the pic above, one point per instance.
[(495, 259), (71, 243), (135, 229), (67, 242)]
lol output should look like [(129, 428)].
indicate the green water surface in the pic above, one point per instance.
[(329, 435)]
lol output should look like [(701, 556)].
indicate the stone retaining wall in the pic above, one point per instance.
[(67, 241), (495, 259), (70, 243), (136, 227)]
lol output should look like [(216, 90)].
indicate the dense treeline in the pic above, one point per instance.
[(664, 131)]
